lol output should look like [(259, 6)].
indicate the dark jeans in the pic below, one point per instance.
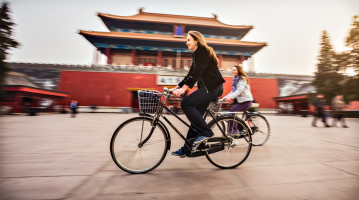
[(319, 115), (195, 105)]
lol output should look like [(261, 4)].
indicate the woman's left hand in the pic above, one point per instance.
[(178, 92)]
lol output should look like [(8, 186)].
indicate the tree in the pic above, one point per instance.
[(352, 39), (327, 79), (351, 86), (6, 42)]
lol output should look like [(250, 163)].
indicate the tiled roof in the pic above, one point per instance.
[(175, 19), (14, 78)]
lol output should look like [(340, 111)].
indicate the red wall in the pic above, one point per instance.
[(111, 89), (103, 88)]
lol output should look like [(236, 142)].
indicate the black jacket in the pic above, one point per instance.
[(204, 69)]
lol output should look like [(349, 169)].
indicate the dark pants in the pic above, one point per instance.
[(73, 112), (195, 105), (240, 107), (338, 116), (237, 107), (319, 114)]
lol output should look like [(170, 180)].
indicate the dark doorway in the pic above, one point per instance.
[(134, 101)]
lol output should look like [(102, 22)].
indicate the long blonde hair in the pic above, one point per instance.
[(197, 36)]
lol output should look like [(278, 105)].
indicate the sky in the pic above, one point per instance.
[(48, 29)]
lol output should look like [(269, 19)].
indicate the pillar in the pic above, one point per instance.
[(108, 54), (133, 55), (243, 58), (159, 58), (18, 103), (178, 60), (220, 60), (96, 55)]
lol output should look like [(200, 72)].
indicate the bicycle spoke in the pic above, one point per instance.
[(154, 142), (137, 146), (235, 151), (261, 126)]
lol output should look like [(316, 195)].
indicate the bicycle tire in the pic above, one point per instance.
[(127, 152), (260, 129), (230, 156)]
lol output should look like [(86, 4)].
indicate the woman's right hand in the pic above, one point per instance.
[(228, 100), (178, 92)]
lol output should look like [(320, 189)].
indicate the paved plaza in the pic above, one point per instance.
[(54, 156)]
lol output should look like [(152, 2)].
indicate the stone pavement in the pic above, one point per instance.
[(57, 157)]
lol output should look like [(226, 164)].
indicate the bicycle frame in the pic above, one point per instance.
[(159, 113), (245, 113)]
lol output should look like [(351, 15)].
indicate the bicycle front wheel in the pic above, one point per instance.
[(260, 129), (235, 150), (137, 146)]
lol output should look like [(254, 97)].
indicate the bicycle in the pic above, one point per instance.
[(140, 144), (257, 122)]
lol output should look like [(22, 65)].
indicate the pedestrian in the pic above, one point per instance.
[(319, 110), (73, 106), (338, 105), (204, 71), (240, 96)]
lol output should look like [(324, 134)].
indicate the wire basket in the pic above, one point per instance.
[(215, 106), (149, 100)]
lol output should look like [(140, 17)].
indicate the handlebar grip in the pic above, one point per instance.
[(169, 91)]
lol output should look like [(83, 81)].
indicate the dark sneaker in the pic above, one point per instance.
[(179, 153), (327, 126), (200, 139), (345, 127)]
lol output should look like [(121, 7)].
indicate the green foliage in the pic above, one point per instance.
[(6, 42), (352, 39), (327, 79), (330, 77), (351, 86)]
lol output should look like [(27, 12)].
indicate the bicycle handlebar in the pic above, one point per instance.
[(223, 101), (166, 90)]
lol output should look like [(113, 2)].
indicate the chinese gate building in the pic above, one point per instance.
[(153, 39)]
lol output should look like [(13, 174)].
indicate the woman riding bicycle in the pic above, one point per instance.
[(204, 71), (240, 96)]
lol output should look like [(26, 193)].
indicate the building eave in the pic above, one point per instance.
[(24, 88), (169, 38)]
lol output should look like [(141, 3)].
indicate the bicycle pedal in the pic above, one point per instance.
[(194, 150), (234, 144)]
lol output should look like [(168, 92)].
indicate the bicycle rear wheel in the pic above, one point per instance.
[(237, 149), (135, 149), (260, 129)]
